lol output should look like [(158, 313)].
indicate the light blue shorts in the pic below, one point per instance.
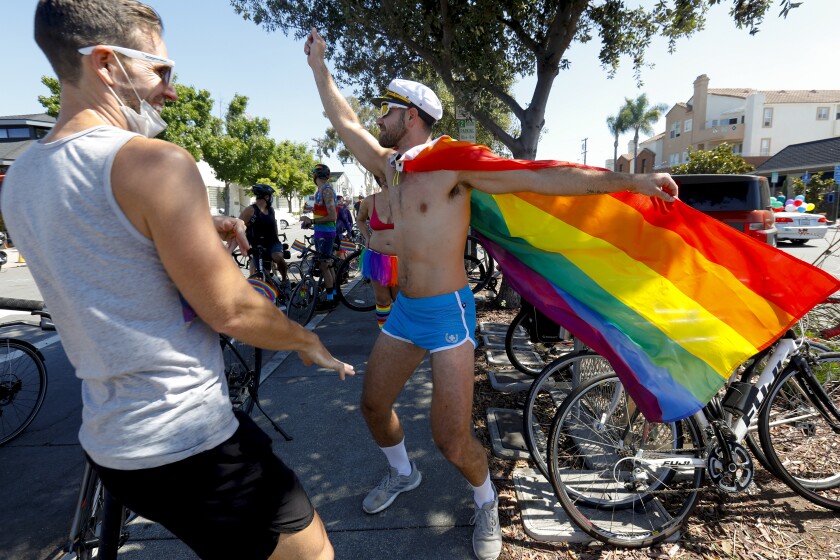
[(435, 323)]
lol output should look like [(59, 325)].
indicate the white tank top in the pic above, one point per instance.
[(153, 389)]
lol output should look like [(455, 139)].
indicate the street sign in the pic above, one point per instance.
[(466, 130), (806, 178), (774, 177), (462, 114), (837, 174)]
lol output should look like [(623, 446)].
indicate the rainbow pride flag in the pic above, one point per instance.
[(674, 299)]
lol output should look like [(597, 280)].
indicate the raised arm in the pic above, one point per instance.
[(570, 181), (358, 140)]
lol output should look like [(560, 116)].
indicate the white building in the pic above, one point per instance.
[(757, 123)]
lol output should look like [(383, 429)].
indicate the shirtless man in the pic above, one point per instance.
[(435, 310)]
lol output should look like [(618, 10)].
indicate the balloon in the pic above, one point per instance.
[(789, 201), (800, 197), (798, 202), (777, 209), (780, 198), (790, 208), (801, 209), (810, 206)]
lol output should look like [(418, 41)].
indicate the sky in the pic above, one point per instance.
[(217, 50)]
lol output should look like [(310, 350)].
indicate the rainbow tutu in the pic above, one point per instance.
[(380, 268)]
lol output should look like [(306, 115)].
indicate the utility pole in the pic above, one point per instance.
[(583, 149)]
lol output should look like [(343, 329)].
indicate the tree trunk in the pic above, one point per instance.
[(227, 199), (635, 149)]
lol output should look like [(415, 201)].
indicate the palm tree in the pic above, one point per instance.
[(641, 117), (618, 124)]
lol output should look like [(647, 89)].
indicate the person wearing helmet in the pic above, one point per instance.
[(435, 309), (323, 222), (261, 227)]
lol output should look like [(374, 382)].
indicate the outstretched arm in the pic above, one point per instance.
[(358, 140), (570, 181)]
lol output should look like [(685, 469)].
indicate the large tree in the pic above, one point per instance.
[(479, 47), (640, 117), (242, 152), (294, 170), (190, 122)]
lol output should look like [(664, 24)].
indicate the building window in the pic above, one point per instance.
[(674, 160), (675, 130), (14, 132), (644, 166), (765, 147), (687, 126), (822, 113), (768, 118), (685, 156), (737, 148)]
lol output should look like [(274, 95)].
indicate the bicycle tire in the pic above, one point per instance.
[(546, 393), (477, 277), (361, 296), (240, 365), (87, 540), (242, 260), (23, 387), (594, 445), (799, 442), (304, 298), (528, 356), (475, 248)]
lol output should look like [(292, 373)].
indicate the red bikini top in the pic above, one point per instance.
[(375, 223)]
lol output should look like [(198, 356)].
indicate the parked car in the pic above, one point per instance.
[(284, 218), (800, 227), (741, 201)]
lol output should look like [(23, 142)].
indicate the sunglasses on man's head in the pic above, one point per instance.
[(385, 108), (164, 66)]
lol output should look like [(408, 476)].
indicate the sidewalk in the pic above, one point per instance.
[(338, 462)]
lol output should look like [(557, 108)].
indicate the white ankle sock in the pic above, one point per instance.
[(398, 458), (485, 493)]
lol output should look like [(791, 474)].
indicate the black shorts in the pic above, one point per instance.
[(232, 501)]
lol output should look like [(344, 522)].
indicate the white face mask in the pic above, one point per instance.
[(148, 122)]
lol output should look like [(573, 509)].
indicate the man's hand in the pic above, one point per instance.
[(319, 355), (305, 222), (660, 185), (314, 48), (232, 231)]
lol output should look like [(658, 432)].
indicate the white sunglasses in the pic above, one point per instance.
[(165, 72)]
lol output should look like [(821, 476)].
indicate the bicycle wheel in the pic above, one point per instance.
[(240, 363), (600, 464), (241, 260), (799, 441), (547, 391), (477, 277), (304, 297), (527, 356), (359, 297), (23, 386), (474, 248)]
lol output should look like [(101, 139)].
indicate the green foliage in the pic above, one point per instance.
[(717, 161), (640, 116), (815, 189), (52, 102), (618, 124), (295, 163), (189, 120), (479, 48)]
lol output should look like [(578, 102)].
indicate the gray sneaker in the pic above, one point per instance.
[(487, 535), (389, 488)]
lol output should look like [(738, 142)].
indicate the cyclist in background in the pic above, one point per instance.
[(323, 222), (261, 227)]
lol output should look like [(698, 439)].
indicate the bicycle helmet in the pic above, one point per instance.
[(260, 190), (320, 171)]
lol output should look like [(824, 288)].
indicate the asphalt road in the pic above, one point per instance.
[(40, 470)]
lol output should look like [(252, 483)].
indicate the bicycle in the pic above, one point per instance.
[(479, 265), (23, 375), (533, 340), (353, 290), (631, 483)]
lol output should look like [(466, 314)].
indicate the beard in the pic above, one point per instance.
[(389, 137)]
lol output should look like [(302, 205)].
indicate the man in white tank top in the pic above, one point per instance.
[(141, 293)]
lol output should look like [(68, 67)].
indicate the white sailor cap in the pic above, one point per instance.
[(405, 93)]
